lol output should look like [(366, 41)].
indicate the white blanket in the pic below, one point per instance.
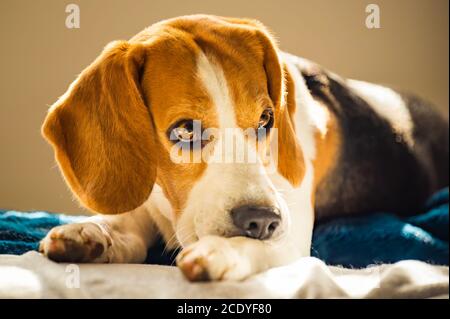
[(33, 276)]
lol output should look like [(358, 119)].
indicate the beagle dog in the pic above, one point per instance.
[(342, 147)]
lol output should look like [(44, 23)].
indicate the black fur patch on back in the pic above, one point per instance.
[(376, 170)]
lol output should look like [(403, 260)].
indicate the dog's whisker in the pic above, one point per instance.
[(167, 245), (175, 251), (174, 239)]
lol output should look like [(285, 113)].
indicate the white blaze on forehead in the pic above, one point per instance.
[(213, 79), (229, 146), (389, 105), (224, 184)]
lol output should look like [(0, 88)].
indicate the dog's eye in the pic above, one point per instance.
[(183, 131), (266, 120)]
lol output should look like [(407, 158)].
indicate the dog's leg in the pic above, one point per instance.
[(235, 258), (122, 238)]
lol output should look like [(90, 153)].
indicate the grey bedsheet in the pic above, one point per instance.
[(33, 276)]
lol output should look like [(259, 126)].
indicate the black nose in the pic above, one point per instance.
[(256, 221)]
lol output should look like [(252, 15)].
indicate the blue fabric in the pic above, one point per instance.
[(386, 238), (350, 241)]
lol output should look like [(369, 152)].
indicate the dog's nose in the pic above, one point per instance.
[(256, 221)]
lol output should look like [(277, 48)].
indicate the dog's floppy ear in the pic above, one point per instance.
[(290, 156), (103, 134), (281, 90)]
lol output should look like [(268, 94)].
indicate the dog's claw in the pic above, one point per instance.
[(194, 270)]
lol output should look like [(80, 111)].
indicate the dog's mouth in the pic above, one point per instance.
[(265, 223)]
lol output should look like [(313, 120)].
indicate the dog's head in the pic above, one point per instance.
[(183, 86)]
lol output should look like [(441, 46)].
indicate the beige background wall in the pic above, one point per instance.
[(40, 57)]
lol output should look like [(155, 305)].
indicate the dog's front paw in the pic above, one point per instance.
[(84, 242), (213, 258)]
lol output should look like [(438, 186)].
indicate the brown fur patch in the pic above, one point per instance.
[(290, 156), (103, 135)]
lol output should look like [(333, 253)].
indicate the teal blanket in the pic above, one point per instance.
[(350, 241)]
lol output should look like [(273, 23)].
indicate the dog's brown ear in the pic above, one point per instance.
[(291, 163), (281, 89), (103, 134)]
